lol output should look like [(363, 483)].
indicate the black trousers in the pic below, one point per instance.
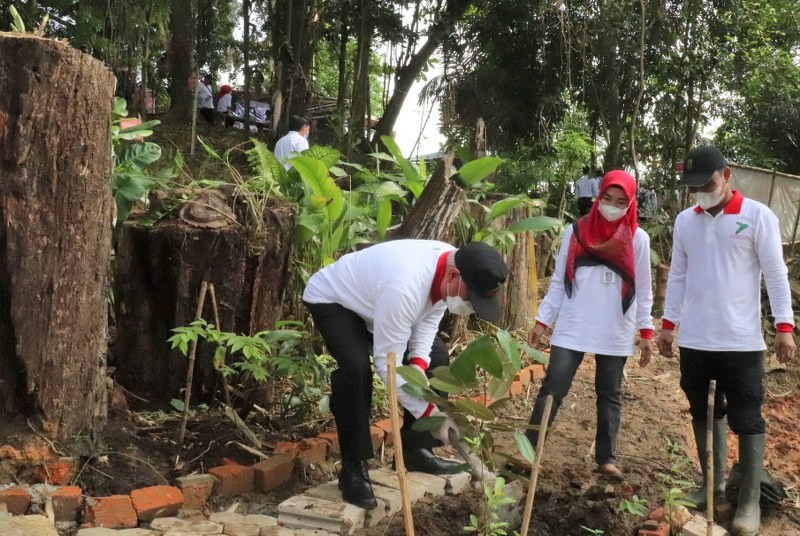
[(350, 344), (740, 387), (584, 205), (561, 371)]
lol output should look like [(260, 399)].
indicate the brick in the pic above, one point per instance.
[(196, 490), (57, 472), (35, 525), (98, 531), (698, 526), (137, 532), (242, 529), (273, 472), (657, 514), (233, 479), (303, 512), (312, 451), (376, 435), (654, 528), (156, 501), (515, 389), (456, 483), (114, 512), (290, 448), (17, 500), (385, 477), (433, 484), (167, 524), (333, 442), (67, 503), (283, 531), (388, 433), (523, 376), (536, 371), (260, 520)]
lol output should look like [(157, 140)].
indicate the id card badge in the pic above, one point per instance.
[(608, 275)]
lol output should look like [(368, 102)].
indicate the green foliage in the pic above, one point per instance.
[(635, 505), (129, 180), (491, 524), (593, 532), (16, 25)]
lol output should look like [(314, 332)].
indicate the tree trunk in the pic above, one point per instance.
[(246, 54), (180, 52), (436, 209), (158, 273), (55, 233)]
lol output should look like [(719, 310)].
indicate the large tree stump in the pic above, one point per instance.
[(55, 233), (157, 277)]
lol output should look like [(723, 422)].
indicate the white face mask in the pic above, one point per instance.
[(707, 200), (458, 305), (610, 212)]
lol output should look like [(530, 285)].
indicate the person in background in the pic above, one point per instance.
[(225, 103), (599, 296), (721, 248), (585, 191), (389, 298), (205, 99), (294, 142)]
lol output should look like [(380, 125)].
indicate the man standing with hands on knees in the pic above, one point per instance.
[(389, 298), (721, 248)]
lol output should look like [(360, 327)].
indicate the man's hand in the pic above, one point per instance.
[(645, 351), (784, 346), (665, 340), (442, 432), (535, 334)]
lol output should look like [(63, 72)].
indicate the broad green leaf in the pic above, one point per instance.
[(140, 155), (475, 171), (508, 345), (382, 156), (147, 125), (383, 218), (413, 376), (498, 387), (472, 408), (655, 258), (315, 176), (327, 155), (381, 189), (407, 167), (447, 376), (537, 224), (120, 107), (504, 206), (463, 366), (525, 447), (447, 387), (537, 355), (490, 362), (428, 423)]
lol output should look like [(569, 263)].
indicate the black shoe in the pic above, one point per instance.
[(355, 485), (425, 461)]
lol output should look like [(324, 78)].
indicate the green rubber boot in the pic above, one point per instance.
[(747, 520), (720, 460)]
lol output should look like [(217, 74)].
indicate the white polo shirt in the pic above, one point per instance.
[(389, 286), (292, 144), (714, 285), (591, 320)]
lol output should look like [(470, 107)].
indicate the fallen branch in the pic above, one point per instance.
[(242, 427)]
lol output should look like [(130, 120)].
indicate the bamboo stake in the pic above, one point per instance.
[(408, 520), (712, 390), (187, 395), (225, 392), (526, 518)]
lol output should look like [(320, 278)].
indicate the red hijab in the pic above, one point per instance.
[(224, 90), (596, 240)]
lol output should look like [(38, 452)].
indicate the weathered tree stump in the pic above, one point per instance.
[(157, 277), (55, 233)]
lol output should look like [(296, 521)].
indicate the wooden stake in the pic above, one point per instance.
[(408, 520), (187, 395), (226, 395), (712, 390), (526, 518)]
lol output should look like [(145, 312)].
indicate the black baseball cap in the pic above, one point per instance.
[(700, 163), (484, 271)]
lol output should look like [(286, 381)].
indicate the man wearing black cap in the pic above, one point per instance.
[(721, 248), (390, 298)]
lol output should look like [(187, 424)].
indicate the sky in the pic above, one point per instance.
[(411, 124)]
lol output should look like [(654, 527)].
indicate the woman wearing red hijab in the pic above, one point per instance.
[(599, 296)]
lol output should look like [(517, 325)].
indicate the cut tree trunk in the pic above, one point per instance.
[(436, 209), (157, 278), (55, 233), (520, 292)]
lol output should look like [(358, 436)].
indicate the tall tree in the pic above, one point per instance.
[(181, 58)]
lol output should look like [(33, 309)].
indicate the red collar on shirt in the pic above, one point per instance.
[(734, 206), (436, 292)]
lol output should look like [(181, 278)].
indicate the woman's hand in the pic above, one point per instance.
[(535, 334), (645, 351)]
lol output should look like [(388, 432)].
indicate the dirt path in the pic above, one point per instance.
[(655, 450)]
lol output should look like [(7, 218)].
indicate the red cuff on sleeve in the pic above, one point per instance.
[(784, 328), (418, 361), (541, 324), (646, 333), (666, 324), (428, 410)]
